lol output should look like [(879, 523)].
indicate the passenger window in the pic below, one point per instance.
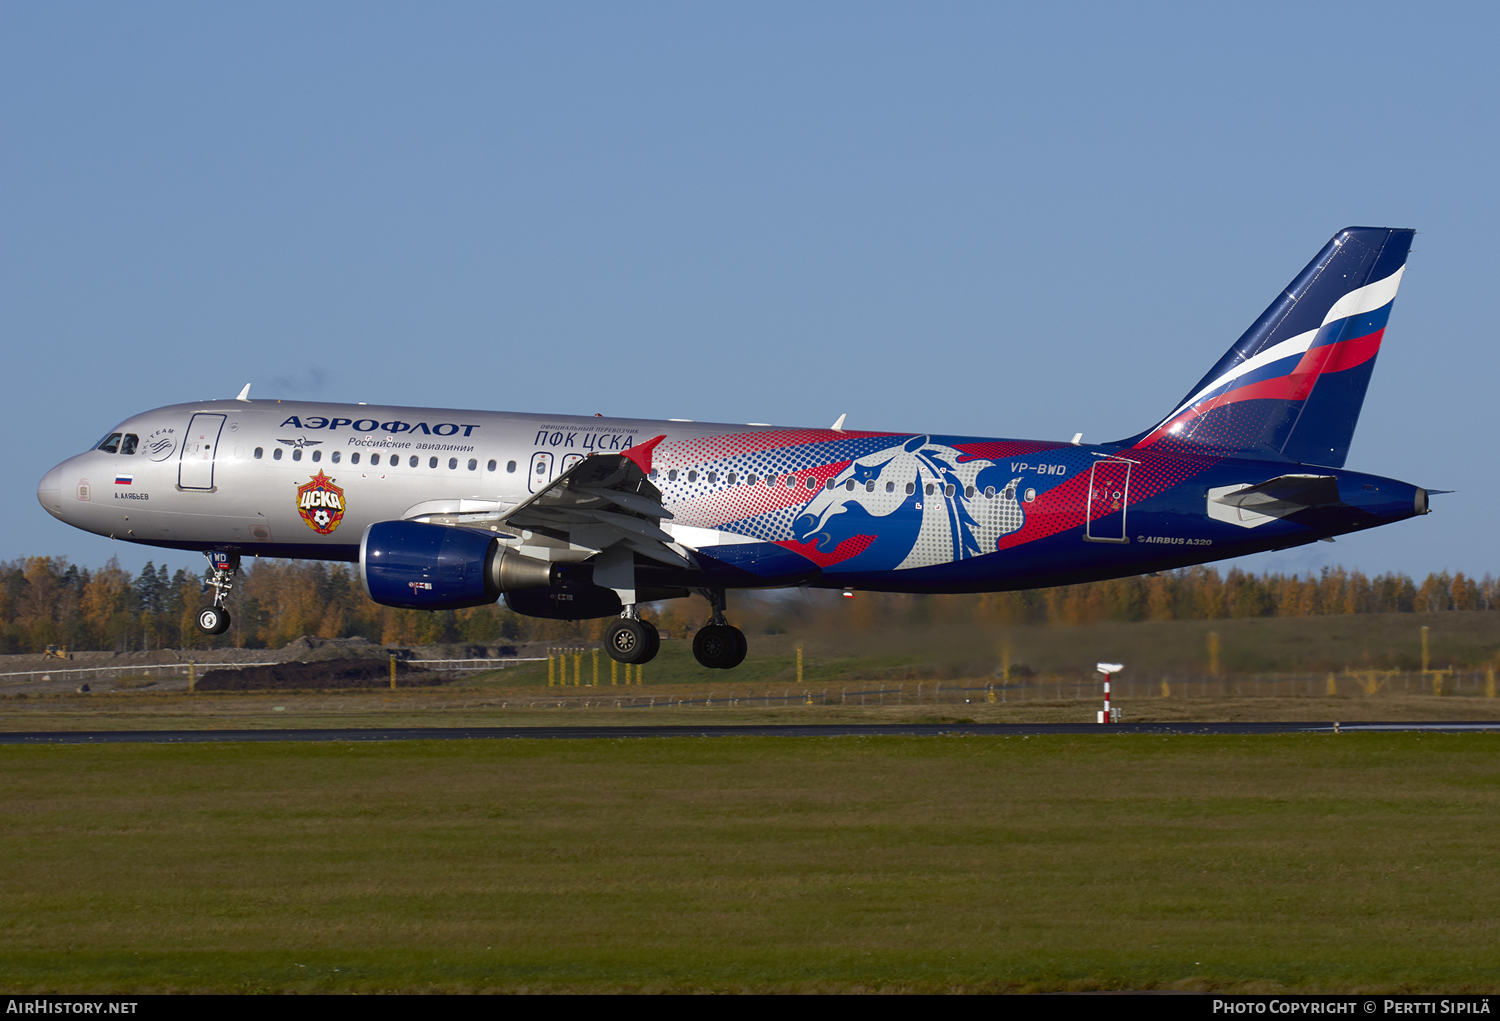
[(831, 485), (911, 487), (260, 452), (354, 458), (890, 487), (989, 492), (411, 462), (948, 490), (317, 455), (296, 455), (276, 454), (452, 463), (870, 486), (969, 492), (732, 478), (812, 483), (510, 466), (432, 462), (692, 476), (474, 464), (128, 446), (111, 444), (751, 479), (713, 477), (791, 482), (374, 458), (931, 489), (849, 485), (672, 475)]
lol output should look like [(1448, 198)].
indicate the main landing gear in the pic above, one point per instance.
[(717, 645), (214, 620), (632, 640)]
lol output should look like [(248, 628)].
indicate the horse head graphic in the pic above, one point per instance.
[(922, 502)]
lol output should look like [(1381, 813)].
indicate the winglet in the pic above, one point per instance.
[(244, 394), (641, 453), (838, 426)]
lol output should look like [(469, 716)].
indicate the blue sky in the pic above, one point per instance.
[(959, 218)]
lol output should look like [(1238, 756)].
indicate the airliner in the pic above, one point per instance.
[(577, 517)]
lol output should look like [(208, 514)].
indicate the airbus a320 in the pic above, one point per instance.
[(575, 517)]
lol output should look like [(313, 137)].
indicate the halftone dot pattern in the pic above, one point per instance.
[(706, 449), (740, 506), (1058, 472), (999, 450), (803, 453), (1237, 426), (1066, 506)]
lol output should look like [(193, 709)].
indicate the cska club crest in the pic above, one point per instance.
[(321, 504)]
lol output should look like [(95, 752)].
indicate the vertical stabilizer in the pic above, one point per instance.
[(1292, 386)]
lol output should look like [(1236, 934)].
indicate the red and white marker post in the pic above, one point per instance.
[(1108, 715)]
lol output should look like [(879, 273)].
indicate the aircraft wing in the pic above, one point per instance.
[(602, 501)]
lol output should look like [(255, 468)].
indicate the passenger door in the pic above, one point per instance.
[(195, 469), (1109, 490)]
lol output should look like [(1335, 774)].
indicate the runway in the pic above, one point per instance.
[(792, 730)]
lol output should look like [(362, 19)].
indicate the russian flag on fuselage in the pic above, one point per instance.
[(1292, 386)]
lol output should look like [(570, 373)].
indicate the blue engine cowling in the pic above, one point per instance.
[(418, 566)]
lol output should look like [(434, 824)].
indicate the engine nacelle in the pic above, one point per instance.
[(418, 566)]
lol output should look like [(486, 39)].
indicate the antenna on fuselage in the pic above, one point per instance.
[(838, 426), (244, 394)]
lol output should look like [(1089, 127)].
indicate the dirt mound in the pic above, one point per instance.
[(338, 673)]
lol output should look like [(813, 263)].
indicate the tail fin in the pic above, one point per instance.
[(1292, 386)]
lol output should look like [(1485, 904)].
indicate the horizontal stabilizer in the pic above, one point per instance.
[(1249, 506)]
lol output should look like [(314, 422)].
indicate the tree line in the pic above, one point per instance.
[(48, 601)]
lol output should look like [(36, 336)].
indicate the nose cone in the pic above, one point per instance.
[(49, 492)]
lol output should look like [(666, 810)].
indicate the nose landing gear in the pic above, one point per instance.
[(214, 620), (717, 645)]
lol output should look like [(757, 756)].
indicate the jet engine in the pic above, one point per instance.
[(418, 566)]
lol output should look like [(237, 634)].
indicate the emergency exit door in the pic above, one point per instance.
[(541, 471)]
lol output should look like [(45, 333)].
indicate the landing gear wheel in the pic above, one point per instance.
[(632, 641), (715, 646), (741, 648), (720, 646), (213, 620)]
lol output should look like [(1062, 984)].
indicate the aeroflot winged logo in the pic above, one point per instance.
[(321, 504)]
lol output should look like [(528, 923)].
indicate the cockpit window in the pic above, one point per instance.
[(111, 443), (128, 445)]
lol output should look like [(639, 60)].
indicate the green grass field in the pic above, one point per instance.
[(1347, 863)]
